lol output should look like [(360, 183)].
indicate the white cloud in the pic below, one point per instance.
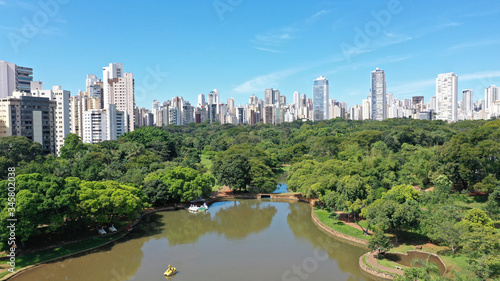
[(472, 44), (278, 37), (260, 83), (480, 75), (267, 50)]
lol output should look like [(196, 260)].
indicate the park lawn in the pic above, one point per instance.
[(454, 262), (374, 268), (216, 187), (45, 255), (470, 202), (205, 161), (388, 263), (286, 168), (339, 225)]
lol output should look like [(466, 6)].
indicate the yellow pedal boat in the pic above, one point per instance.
[(170, 271)]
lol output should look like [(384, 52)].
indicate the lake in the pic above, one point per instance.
[(234, 240)]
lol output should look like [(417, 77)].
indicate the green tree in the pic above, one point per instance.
[(401, 193), (103, 202), (391, 216), (184, 184), (442, 225), (379, 242), (493, 203), (421, 271), (72, 146), (232, 170)]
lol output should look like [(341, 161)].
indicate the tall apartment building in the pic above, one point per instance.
[(491, 94), (77, 106), (119, 90), (62, 115), (467, 103), (447, 97), (365, 107), (320, 99), (296, 99), (32, 117), (103, 124), (378, 95), (14, 78)]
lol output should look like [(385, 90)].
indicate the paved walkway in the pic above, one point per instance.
[(372, 260)]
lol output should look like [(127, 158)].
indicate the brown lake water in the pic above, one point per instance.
[(234, 240)]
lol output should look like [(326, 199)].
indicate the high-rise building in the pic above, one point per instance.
[(282, 100), (230, 106), (467, 102), (447, 97), (14, 78), (201, 100), (378, 95), (119, 90), (271, 97), (365, 107), (22, 114), (491, 94), (77, 106), (62, 117), (296, 99), (103, 124), (320, 99), (417, 103)]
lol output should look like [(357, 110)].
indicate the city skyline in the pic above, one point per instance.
[(341, 41)]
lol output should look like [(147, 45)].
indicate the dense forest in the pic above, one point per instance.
[(401, 175)]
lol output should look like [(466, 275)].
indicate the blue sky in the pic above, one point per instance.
[(185, 48)]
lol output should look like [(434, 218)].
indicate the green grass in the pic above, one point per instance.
[(4, 273), (45, 255), (470, 202), (216, 187), (285, 169), (206, 162), (454, 262), (367, 264), (338, 225), (388, 263)]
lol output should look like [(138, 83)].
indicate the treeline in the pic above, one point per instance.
[(371, 169)]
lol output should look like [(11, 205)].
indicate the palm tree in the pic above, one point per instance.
[(430, 268)]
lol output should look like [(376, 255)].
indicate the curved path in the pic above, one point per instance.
[(371, 259)]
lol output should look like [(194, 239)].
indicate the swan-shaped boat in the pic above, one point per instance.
[(170, 271)]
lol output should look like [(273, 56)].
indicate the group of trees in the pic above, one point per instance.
[(49, 204), (373, 170)]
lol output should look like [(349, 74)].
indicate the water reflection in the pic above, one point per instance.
[(233, 219), (303, 227), (236, 240)]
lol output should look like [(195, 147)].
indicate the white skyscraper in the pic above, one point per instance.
[(366, 109), (378, 95), (103, 124), (119, 90), (201, 100), (491, 94), (447, 97), (467, 103), (320, 99), (296, 99), (114, 70)]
